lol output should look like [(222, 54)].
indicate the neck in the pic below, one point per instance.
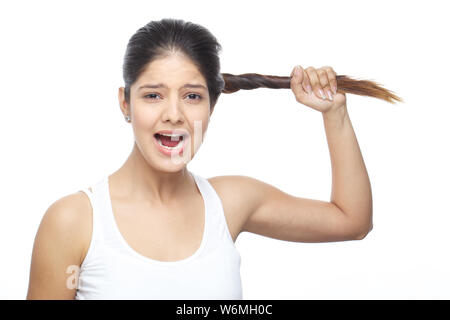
[(138, 180)]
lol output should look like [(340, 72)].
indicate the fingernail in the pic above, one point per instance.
[(330, 96), (297, 70), (334, 89), (322, 94), (308, 88)]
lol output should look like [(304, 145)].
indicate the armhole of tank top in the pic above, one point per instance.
[(224, 221), (88, 192)]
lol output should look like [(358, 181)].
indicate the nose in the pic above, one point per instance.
[(172, 112)]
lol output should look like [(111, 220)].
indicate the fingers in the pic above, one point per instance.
[(315, 82), (332, 78), (298, 75), (306, 84), (325, 76), (322, 80)]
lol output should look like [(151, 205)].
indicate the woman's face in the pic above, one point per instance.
[(162, 98)]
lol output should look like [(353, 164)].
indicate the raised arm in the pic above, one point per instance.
[(268, 211), (351, 191)]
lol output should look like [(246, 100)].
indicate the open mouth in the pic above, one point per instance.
[(169, 141)]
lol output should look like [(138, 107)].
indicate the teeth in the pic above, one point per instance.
[(170, 148), (171, 135)]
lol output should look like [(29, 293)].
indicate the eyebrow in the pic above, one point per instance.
[(161, 85)]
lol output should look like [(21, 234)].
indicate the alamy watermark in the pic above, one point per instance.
[(187, 154), (72, 280)]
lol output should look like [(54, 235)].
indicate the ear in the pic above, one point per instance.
[(122, 102)]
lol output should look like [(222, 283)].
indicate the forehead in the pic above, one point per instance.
[(175, 68)]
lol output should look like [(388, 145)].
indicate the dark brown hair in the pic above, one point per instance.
[(159, 38), (249, 81)]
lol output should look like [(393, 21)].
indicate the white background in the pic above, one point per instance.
[(61, 130)]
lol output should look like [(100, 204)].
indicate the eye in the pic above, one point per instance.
[(199, 97), (192, 96), (150, 96)]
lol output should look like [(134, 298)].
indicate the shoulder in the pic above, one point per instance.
[(69, 220), (238, 187), (241, 195), (243, 191), (60, 243)]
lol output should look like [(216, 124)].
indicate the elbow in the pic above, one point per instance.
[(363, 232)]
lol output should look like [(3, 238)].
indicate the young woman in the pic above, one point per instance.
[(154, 230)]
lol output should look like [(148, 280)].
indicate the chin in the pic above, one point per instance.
[(169, 165)]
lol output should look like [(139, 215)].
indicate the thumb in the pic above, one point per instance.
[(296, 82)]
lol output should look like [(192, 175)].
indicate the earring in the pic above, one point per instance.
[(127, 118)]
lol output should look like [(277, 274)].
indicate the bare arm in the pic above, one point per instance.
[(348, 216)]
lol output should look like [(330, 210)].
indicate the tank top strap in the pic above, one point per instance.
[(217, 220), (96, 198), (105, 217)]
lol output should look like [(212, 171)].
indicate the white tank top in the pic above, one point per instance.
[(113, 270)]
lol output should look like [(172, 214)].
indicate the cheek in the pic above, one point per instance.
[(144, 117)]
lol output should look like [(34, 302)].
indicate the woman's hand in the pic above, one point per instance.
[(317, 88)]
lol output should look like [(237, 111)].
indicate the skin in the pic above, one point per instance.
[(155, 200)]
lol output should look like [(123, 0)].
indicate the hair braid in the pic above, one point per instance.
[(249, 81)]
